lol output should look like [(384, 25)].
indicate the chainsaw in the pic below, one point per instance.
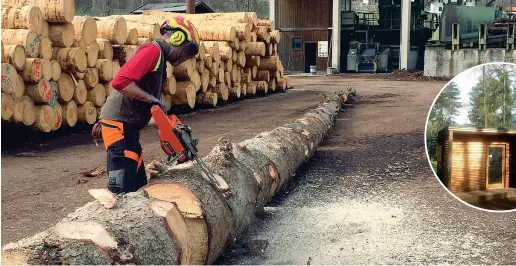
[(177, 142)]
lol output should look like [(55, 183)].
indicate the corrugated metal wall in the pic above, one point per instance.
[(305, 19)]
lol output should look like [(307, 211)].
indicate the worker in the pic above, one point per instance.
[(136, 88)]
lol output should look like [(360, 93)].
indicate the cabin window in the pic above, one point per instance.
[(297, 44)]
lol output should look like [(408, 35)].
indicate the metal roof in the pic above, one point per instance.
[(480, 130), (172, 7)]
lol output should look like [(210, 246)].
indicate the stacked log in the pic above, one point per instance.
[(76, 57)]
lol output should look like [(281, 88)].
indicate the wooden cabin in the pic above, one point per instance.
[(472, 159)]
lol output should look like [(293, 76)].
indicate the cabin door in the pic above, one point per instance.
[(496, 166)]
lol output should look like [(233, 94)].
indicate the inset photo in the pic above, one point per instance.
[(471, 137)]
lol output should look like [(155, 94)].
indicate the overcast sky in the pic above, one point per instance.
[(466, 81)]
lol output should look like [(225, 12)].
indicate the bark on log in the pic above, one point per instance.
[(27, 38), (14, 55), (87, 113), (123, 52), (61, 34), (113, 28), (69, 113), (246, 75), (179, 218), (105, 49), (85, 29), (22, 17)]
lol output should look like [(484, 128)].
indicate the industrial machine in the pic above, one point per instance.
[(369, 58), (379, 34)]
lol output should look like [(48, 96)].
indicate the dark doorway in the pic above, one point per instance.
[(310, 55)]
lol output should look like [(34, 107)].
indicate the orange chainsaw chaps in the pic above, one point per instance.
[(112, 131)]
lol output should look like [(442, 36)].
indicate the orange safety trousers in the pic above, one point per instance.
[(125, 168)]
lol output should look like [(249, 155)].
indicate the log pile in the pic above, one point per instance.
[(179, 218), (56, 58)]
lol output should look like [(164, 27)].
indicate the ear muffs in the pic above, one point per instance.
[(177, 38)]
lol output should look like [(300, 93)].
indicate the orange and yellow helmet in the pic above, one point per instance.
[(181, 30)]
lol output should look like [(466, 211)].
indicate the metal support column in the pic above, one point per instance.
[(336, 35), (272, 13), (405, 33), (455, 37), (190, 6), (482, 37), (510, 37)]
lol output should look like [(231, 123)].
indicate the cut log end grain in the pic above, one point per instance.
[(205, 80), (116, 67), (167, 100), (109, 88), (71, 59), (29, 39), (105, 49), (66, 87), (46, 69), (113, 28), (263, 75), (235, 91), (267, 23), (22, 17), (91, 77), (262, 87), (15, 55), (33, 71), (9, 78), (69, 113), (45, 118), (19, 107), (255, 48), (97, 95), (45, 48), (41, 92), (58, 114), (87, 113), (44, 29), (80, 93), (7, 106), (207, 98), (92, 53), (272, 85), (105, 68), (201, 54), (213, 49), (186, 69), (185, 94), (85, 28), (29, 111), (132, 37), (170, 70), (123, 52), (200, 66), (222, 91), (171, 87), (196, 79), (61, 34), (243, 88)]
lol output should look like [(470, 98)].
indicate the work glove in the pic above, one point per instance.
[(156, 101)]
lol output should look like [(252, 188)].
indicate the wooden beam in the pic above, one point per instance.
[(190, 6)]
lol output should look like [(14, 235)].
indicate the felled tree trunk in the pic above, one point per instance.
[(179, 218)]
